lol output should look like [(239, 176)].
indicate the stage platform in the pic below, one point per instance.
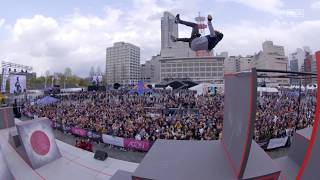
[(75, 164)]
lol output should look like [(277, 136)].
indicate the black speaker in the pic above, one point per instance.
[(16, 140), (100, 155)]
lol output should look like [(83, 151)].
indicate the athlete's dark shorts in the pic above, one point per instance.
[(213, 41)]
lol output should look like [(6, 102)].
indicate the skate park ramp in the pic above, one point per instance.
[(74, 163), (236, 156), (6, 117)]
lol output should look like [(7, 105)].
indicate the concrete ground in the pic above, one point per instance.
[(114, 152)]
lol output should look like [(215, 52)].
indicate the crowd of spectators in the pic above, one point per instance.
[(177, 115)]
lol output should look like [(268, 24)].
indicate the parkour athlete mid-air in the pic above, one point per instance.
[(196, 41)]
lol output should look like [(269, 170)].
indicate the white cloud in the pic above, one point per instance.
[(315, 5), (246, 38), (270, 6), (2, 21), (79, 41)]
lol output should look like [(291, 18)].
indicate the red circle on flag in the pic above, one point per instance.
[(40, 143)]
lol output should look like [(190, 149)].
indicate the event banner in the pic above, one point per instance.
[(136, 144), (113, 140), (93, 135), (143, 145), (17, 84), (79, 132)]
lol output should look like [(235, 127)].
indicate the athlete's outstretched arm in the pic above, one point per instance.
[(212, 32)]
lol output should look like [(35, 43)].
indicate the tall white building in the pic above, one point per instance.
[(170, 49), (122, 63), (272, 57)]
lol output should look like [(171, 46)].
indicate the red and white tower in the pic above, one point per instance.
[(201, 23)]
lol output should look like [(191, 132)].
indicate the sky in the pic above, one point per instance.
[(53, 35)]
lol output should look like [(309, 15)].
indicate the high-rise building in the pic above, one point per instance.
[(230, 65), (170, 49), (314, 68), (272, 57), (122, 63), (307, 68), (302, 61), (297, 58), (168, 28), (238, 64), (150, 70)]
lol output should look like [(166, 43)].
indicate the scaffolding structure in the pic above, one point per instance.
[(9, 68)]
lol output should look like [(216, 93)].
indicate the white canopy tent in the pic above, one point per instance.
[(203, 88), (268, 89)]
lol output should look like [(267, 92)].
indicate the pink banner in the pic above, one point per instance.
[(78, 131), (136, 144)]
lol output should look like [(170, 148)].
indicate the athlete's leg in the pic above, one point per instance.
[(195, 28), (174, 39)]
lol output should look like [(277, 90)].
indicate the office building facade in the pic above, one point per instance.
[(200, 69), (122, 63)]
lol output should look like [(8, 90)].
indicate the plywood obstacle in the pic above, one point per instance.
[(6, 117), (5, 172), (236, 156), (35, 142), (302, 161)]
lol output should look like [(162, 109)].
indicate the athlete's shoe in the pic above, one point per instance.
[(209, 17), (177, 19)]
